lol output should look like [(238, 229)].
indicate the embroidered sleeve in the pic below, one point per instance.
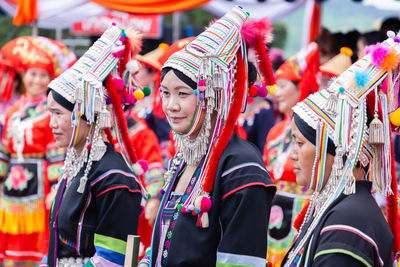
[(244, 220), (117, 199), (55, 160)]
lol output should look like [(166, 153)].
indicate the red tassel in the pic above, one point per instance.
[(229, 124), (392, 207), (116, 103), (301, 216), (109, 135), (264, 62)]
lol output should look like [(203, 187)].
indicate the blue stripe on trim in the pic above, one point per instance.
[(110, 255), (223, 257)]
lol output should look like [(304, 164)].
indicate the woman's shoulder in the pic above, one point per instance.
[(112, 170), (241, 164), (356, 225)]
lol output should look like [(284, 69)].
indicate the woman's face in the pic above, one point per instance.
[(287, 96), (36, 82), (178, 102), (303, 155), (60, 123)]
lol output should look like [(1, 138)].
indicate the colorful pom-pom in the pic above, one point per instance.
[(119, 84), (119, 51), (396, 39), (148, 196), (143, 164), (395, 117), (272, 89), (184, 210), (195, 91), (89, 147), (202, 83), (205, 204), (197, 211), (341, 89), (162, 191), (361, 78), (108, 100), (201, 97), (194, 212), (391, 61), (130, 99), (138, 94), (133, 66), (378, 54), (146, 90), (262, 91), (114, 24), (346, 50), (202, 88), (390, 34), (253, 91), (180, 207)]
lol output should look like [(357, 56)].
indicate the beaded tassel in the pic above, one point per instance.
[(376, 134), (331, 104), (217, 81), (104, 119), (82, 184)]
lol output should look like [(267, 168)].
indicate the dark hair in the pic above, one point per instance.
[(252, 75), (180, 75)]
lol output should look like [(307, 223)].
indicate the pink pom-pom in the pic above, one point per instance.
[(183, 210), (262, 91), (118, 84), (119, 53), (114, 24), (205, 204), (143, 164), (122, 39), (130, 99), (202, 82), (378, 54), (202, 88)]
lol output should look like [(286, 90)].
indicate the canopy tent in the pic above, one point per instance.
[(52, 14)]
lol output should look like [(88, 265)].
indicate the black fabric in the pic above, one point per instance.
[(106, 211), (358, 211), (241, 203), (180, 75), (61, 100), (310, 134)]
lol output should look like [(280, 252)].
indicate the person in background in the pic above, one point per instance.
[(296, 79), (204, 217), (98, 198), (30, 161), (11, 87)]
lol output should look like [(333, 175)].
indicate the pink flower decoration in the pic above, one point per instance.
[(276, 215)]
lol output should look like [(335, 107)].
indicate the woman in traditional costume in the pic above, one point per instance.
[(98, 201), (30, 161), (341, 153), (296, 79), (217, 195)]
